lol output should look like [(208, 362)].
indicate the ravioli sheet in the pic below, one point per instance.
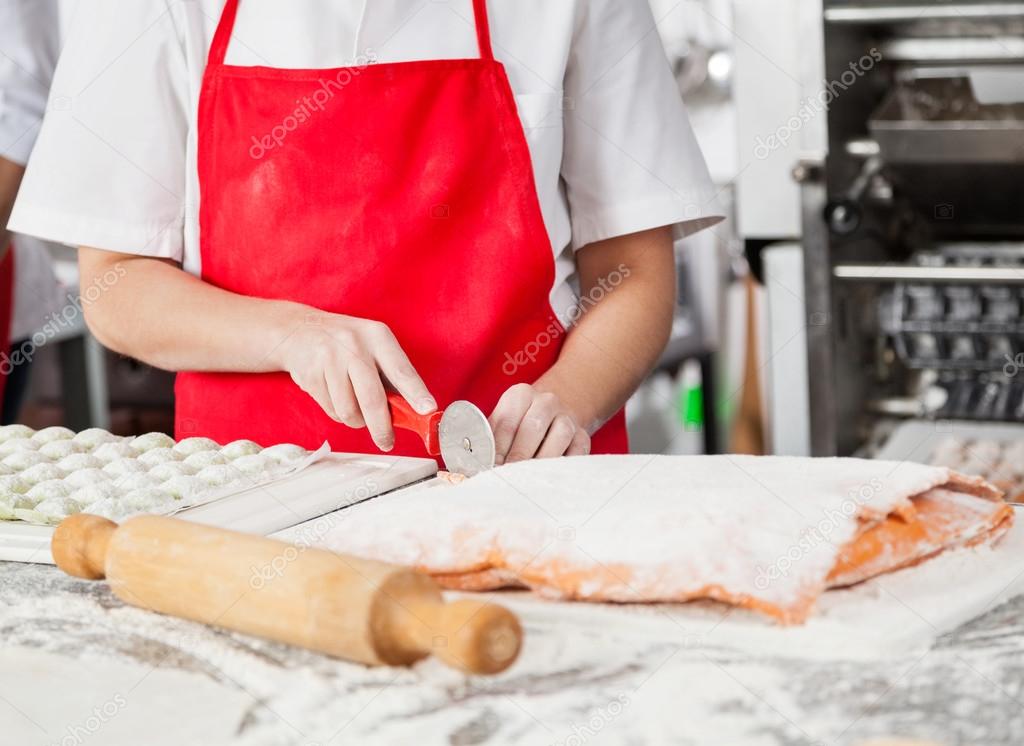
[(769, 534)]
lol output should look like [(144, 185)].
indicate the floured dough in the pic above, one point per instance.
[(770, 534), (86, 477), (109, 507), (50, 474), (10, 503), (241, 448), (451, 478), (51, 434), (120, 467), (149, 441), (18, 444), (58, 507), (15, 431), (115, 450), (188, 446), (94, 436), (94, 493), (253, 465), (49, 489), (285, 453), (16, 500), (169, 469), (138, 480), (160, 456), (79, 461), (147, 499), (58, 449), (218, 475), (184, 487), (13, 485), (41, 473), (201, 460), (24, 459)]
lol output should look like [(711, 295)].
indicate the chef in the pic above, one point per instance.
[(29, 40), (301, 206)]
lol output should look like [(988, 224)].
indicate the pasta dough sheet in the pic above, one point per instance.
[(769, 534)]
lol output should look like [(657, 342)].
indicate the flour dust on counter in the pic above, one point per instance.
[(98, 700), (572, 679)]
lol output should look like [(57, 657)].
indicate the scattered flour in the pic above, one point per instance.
[(51, 699)]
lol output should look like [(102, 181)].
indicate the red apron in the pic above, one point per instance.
[(406, 195), (6, 317)]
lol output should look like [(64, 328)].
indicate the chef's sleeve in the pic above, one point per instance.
[(29, 40), (631, 161), (108, 169)]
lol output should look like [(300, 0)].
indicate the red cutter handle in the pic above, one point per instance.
[(404, 417)]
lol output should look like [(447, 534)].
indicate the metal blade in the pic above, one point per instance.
[(467, 443)]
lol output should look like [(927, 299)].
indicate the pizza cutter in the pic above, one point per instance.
[(460, 435)]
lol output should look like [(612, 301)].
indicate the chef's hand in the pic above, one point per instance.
[(340, 361), (530, 423)]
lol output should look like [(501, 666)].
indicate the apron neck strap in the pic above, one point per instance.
[(483, 30), (221, 39)]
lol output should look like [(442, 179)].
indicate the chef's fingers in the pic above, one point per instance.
[(397, 368), (343, 398), (373, 402), (505, 419), (560, 436), (580, 445), (534, 427), (316, 387)]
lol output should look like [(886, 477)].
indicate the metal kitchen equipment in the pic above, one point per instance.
[(912, 189)]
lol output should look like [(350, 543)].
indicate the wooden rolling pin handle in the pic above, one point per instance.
[(472, 636), (79, 547), (366, 611)]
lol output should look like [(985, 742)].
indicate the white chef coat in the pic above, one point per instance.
[(612, 148), (29, 41)]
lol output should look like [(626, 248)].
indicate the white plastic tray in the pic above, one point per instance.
[(336, 481)]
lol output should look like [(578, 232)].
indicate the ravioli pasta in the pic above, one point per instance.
[(52, 473)]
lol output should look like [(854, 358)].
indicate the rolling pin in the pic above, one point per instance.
[(351, 608)]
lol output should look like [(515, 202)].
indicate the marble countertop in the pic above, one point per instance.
[(79, 667)]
